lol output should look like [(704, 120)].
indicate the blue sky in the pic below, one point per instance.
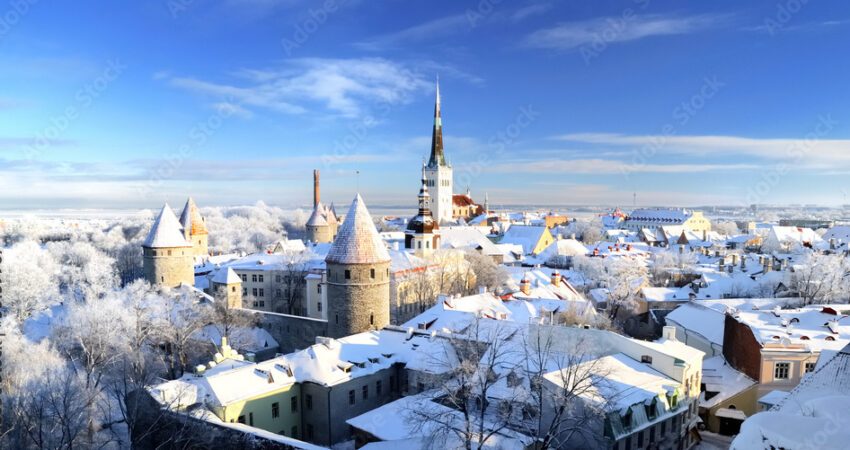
[(128, 104)]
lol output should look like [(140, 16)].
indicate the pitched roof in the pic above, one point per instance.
[(191, 218), (226, 276), (357, 240), (165, 232)]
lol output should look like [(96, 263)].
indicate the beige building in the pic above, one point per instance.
[(195, 229), (653, 219)]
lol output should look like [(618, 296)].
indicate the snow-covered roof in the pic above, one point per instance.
[(467, 237), (810, 416), (191, 219), (662, 294), (670, 216), (226, 276), (696, 318), (722, 380), (528, 236), (840, 233), (317, 219), (165, 231), (357, 240), (810, 328)]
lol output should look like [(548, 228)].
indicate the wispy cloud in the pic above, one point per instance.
[(345, 87), (608, 167), (815, 151), (774, 26), (608, 30), (428, 30), (529, 11)]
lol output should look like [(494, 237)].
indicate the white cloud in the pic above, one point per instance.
[(607, 30), (810, 151), (608, 167), (428, 30), (343, 86)]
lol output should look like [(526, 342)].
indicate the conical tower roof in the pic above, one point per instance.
[(438, 157), (191, 219), (165, 232), (358, 241), (317, 219)]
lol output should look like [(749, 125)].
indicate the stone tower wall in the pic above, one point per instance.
[(169, 266), (359, 303), (319, 234), (232, 293), (200, 244)]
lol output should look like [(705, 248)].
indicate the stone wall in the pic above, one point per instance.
[(291, 332), (169, 266), (319, 234), (359, 302)]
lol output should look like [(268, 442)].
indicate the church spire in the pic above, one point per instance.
[(424, 197), (438, 158)]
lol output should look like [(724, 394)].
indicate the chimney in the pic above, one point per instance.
[(767, 266), (556, 278), (734, 259), (720, 264), (669, 333), (525, 285), (316, 194)]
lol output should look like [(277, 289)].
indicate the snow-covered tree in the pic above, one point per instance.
[(29, 279), (726, 228), (821, 278)]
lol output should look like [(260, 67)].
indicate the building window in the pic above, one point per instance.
[(378, 387), (277, 278), (371, 319), (256, 303), (781, 370), (254, 278), (646, 359), (278, 293), (169, 253), (262, 292), (275, 410), (262, 303), (319, 306), (251, 419), (640, 439), (372, 273), (347, 274), (241, 419), (244, 292), (244, 277), (627, 419), (260, 277), (365, 392), (233, 289), (351, 397), (293, 403), (319, 288), (309, 400), (810, 367), (254, 292)]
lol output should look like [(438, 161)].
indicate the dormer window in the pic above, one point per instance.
[(627, 418), (646, 359)]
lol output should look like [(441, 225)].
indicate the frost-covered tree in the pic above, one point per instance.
[(87, 273), (624, 278), (484, 271), (821, 278), (726, 228), (29, 279)]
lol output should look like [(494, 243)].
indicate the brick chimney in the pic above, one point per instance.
[(525, 285), (316, 194)]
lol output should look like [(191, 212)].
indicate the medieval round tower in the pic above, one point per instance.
[(358, 274), (320, 230), (168, 259), (195, 229)]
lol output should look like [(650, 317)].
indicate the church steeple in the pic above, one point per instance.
[(438, 158), (424, 197)]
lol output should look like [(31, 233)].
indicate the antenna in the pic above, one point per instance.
[(357, 174)]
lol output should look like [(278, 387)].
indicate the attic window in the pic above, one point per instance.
[(651, 409), (804, 338), (795, 320), (627, 418), (829, 338), (646, 359)]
